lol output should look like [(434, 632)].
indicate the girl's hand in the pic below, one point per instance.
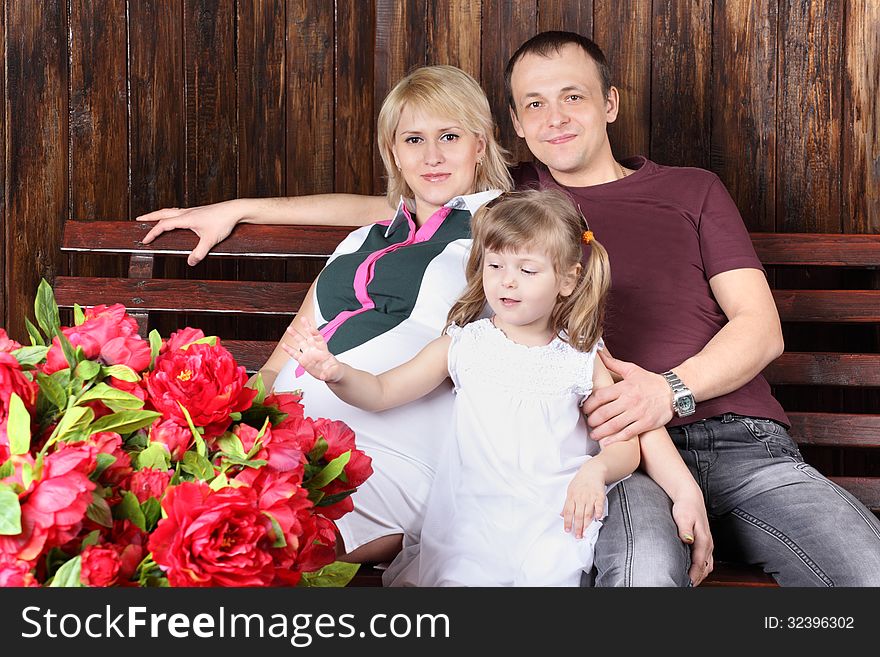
[(585, 500), (307, 346)]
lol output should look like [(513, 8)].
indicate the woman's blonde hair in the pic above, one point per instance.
[(449, 92), (547, 221)]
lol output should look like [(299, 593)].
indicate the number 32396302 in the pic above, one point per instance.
[(809, 622)]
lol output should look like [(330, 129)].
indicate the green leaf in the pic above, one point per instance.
[(279, 540), (152, 511), (327, 500), (73, 356), (121, 372), (201, 448), (154, 457), (91, 538), (209, 339), (52, 390), (124, 422), (231, 444), (113, 398), (34, 334), (74, 422), (27, 473), (155, 346), (250, 463), (329, 473), (337, 573), (104, 461), (78, 315), (318, 450), (7, 469), (260, 387), (28, 356), (68, 575), (46, 309), (10, 513), (257, 414), (87, 370), (218, 482), (99, 511), (18, 426), (130, 509), (198, 466)]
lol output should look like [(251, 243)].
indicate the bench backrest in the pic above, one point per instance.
[(143, 295)]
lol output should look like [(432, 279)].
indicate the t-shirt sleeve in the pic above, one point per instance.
[(454, 332), (724, 241)]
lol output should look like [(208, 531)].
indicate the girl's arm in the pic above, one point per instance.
[(213, 223), (662, 462), (405, 383), (585, 500)]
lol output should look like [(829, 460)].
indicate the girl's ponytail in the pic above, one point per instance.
[(582, 313)]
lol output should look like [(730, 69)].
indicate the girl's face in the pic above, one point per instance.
[(437, 157), (522, 289)]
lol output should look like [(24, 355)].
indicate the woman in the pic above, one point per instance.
[(388, 287)]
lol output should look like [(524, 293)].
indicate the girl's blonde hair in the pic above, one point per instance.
[(547, 221), (450, 92)]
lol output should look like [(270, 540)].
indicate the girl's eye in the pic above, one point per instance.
[(492, 265), (413, 140), (449, 136), (529, 272)]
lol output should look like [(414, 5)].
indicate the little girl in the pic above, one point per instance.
[(521, 457)]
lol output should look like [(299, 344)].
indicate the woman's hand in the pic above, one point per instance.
[(307, 346), (212, 223), (585, 499)]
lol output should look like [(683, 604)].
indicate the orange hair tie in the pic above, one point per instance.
[(587, 237)]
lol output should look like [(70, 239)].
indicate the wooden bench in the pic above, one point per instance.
[(851, 365)]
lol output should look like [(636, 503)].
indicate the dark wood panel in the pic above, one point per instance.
[(567, 16), (809, 129), (744, 106), (36, 118), (865, 489), (506, 25), (834, 306), (157, 117), (354, 124), (820, 249), (400, 47), (824, 369), (310, 98), (246, 239), (861, 129), (182, 295), (680, 80), (250, 353), (454, 34), (835, 429), (7, 279), (623, 30)]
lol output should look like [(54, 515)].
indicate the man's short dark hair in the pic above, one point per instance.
[(544, 44)]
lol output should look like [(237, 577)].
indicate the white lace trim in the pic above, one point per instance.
[(548, 370)]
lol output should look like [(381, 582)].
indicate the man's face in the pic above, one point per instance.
[(562, 113)]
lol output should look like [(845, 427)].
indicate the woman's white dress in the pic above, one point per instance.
[(493, 516)]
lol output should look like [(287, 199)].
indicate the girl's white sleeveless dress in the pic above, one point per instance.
[(493, 516)]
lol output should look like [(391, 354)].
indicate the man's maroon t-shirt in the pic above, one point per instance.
[(667, 230)]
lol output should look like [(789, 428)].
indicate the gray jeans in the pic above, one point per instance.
[(766, 507)]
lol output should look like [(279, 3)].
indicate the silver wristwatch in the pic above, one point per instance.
[(683, 402)]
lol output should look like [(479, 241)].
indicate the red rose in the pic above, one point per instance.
[(100, 566), (174, 436), (149, 483), (213, 538), (180, 339), (280, 449), (317, 543), (206, 380), (14, 572), (7, 344), (133, 351), (53, 508), (102, 325), (340, 439), (13, 380), (109, 442), (286, 402)]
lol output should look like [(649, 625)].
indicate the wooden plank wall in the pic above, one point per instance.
[(112, 108)]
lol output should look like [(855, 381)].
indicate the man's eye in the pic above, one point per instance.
[(535, 104), (574, 97)]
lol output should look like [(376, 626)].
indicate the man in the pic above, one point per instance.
[(692, 315)]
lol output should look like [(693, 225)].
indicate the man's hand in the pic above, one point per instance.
[(212, 224), (689, 514), (639, 402)]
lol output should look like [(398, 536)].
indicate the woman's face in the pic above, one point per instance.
[(437, 157)]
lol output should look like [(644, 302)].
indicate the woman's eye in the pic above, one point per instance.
[(449, 136), (413, 140)]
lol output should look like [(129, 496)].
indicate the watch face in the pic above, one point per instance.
[(685, 405)]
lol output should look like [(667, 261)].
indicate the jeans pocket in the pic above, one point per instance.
[(772, 435)]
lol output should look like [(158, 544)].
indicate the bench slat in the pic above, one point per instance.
[(834, 306), (246, 240), (250, 353), (830, 250), (825, 369), (182, 295), (835, 429), (865, 489)]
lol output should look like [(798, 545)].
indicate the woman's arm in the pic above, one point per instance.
[(213, 223), (405, 383)]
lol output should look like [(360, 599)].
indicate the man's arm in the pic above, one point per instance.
[(752, 338), (213, 223)]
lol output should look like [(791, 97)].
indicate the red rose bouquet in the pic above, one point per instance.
[(127, 462)]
